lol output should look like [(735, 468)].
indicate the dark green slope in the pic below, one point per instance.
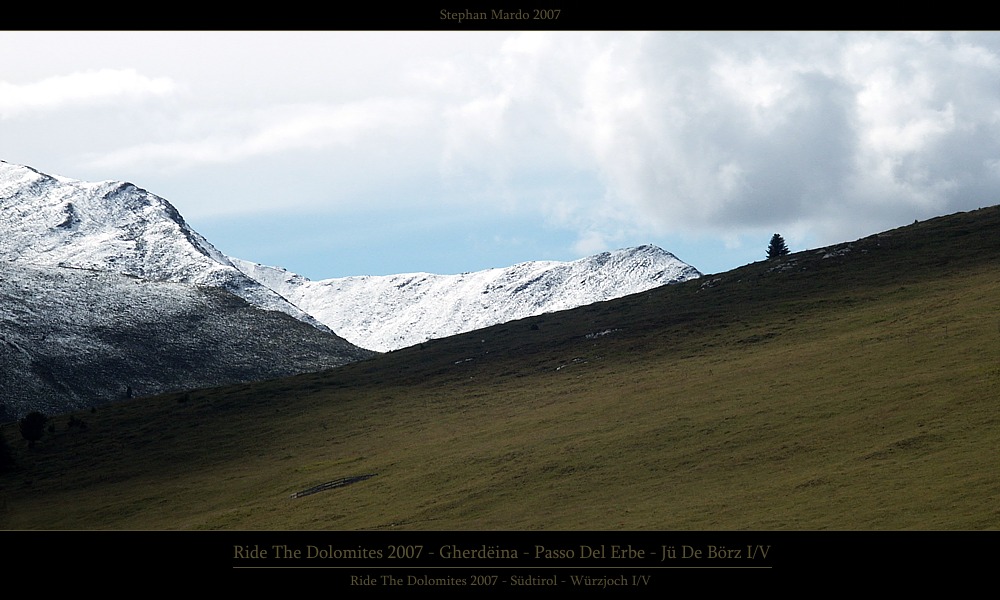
[(852, 387)]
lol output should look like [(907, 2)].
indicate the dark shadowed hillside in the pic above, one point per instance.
[(75, 338), (850, 387)]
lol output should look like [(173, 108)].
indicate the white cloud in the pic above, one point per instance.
[(238, 136), (82, 88), (845, 132), (590, 242), (610, 136)]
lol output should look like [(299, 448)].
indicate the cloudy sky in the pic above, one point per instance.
[(350, 153)]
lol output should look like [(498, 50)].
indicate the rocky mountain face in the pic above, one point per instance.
[(391, 312), (72, 338), (105, 292), (113, 226)]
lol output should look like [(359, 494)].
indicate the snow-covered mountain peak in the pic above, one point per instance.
[(108, 291), (117, 227), (107, 225), (393, 311)]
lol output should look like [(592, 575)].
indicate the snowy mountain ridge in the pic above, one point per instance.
[(106, 293), (114, 226), (389, 312), (117, 227), (72, 338)]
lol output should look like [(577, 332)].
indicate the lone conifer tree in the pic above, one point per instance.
[(32, 426), (777, 247)]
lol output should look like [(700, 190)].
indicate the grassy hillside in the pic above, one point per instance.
[(854, 387)]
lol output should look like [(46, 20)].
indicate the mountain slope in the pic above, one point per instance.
[(852, 387), (114, 226), (391, 312), (106, 289), (119, 230), (72, 338)]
